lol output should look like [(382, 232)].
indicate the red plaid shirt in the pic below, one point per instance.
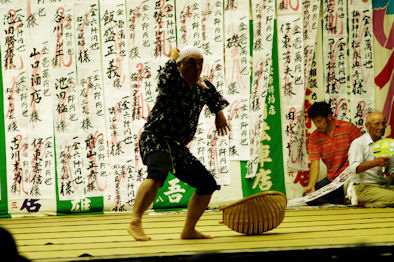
[(333, 151)]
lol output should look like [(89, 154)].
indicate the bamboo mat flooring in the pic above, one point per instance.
[(104, 236)]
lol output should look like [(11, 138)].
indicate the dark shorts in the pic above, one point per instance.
[(191, 172)]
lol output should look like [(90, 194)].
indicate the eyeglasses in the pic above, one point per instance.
[(381, 124)]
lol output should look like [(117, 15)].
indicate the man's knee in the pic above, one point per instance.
[(374, 195)]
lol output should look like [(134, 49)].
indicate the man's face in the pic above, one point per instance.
[(322, 123), (376, 125), (191, 68)]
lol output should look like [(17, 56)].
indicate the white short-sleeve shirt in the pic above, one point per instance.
[(361, 151)]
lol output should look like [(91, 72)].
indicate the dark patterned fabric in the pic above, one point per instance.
[(173, 120)]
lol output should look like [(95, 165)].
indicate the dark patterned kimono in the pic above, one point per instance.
[(173, 120)]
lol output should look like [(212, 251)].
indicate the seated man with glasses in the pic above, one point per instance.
[(370, 175)]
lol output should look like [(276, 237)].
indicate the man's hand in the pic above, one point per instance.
[(382, 161), (221, 124), (309, 189), (313, 176), (174, 53)]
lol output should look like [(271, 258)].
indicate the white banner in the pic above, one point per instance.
[(292, 81), (335, 56), (237, 64), (362, 92), (263, 13)]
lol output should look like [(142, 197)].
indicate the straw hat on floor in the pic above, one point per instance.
[(255, 214)]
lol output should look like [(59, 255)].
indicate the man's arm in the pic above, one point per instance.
[(216, 103), (357, 163), (169, 73), (314, 157), (380, 161), (313, 176)]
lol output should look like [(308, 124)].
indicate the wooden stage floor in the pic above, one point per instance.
[(330, 233)]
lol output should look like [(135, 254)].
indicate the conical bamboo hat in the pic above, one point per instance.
[(255, 214)]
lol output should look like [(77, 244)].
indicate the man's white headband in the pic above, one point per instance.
[(188, 50)]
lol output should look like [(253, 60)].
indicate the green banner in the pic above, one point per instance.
[(3, 163), (174, 194), (270, 173)]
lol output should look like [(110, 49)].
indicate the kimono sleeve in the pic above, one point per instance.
[(215, 101), (168, 77)]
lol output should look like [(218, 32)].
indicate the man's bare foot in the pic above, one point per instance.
[(194, 234), (135, 230)]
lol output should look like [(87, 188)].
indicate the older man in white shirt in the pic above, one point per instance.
[(371, 187)]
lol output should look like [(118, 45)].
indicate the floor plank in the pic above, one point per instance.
[(62, 238)]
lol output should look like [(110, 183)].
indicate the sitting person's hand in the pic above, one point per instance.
[(309, 189), (382, 161)]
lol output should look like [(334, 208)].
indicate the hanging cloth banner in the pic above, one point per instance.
[(90, 94), (237, 76), (263, 30), (31, 61), (311, 21), (16, 93), (335, 57), (119, 188), (291, 71), (362, 91), (270, 171)]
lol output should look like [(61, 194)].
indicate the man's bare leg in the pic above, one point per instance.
[(145, 196), (197, 205)]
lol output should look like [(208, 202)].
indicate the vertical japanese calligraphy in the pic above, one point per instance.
[(310, 28), (310, 24), (26, 62), (15, 90), (237, 76), (291, 65), (189, 24), (263, 29), (69, 156), (91, 98), (165, 30), (271, 153), (334, 50), (362, 93), (118, 103)]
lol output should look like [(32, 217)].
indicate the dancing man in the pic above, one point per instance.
[(170, 127)]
